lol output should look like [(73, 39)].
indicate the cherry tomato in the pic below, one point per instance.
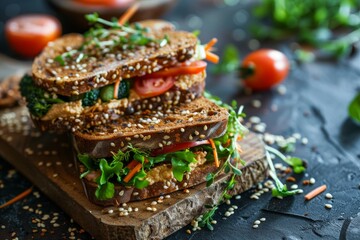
[(153, 86), (106, 2), (264, 68), (183, 68), (178, 147), (29, 34)]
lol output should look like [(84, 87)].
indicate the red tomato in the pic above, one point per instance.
[(106, 2), (29, 34), (178, 147), (264, 68), (153, 86), (183, 68)]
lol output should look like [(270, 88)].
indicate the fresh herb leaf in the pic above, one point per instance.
[(226, 147), (109, 170), (281, 189), (313, 22), (297, 164), (354, 109), (105, 191), (88, 163), (210, 179), (230, 61), (287, 147)]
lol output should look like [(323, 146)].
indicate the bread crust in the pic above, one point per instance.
[(79, 78), (198, 120)]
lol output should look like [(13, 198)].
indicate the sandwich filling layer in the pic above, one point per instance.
[(46, 106)]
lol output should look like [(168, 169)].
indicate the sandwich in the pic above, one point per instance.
[(151, 154), (113, 71), (133, 97)]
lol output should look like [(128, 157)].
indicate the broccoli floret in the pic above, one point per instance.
[(38, 100), (91, 97), (124, 89)]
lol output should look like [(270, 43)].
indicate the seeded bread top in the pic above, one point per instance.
[(94, 72), (198, 120)]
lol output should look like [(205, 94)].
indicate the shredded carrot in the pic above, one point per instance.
[(17, 198), (216, 159), (132, 164), (212, 57), (210, 44), (238, 147), (315, 192), (116, 89), (128, 14), (132, 172)]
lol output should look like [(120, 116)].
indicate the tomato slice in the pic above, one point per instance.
[(153, 86), (178, 146), (106, 2), (29, 34), (180, 69)]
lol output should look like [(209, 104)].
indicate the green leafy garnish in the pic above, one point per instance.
[(281, 189), (106, 36), (38, 100), (230, 61), (105, 191), (227, 148), (312, 22), (354, 109), (113, 170), (297, 164)]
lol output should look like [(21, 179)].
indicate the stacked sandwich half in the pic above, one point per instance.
[(132, 97)]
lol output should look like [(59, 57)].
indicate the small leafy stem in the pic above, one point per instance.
[(125, 37)]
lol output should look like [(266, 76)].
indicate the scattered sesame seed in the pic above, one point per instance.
[(294, 186), (329, 196), (257, 222), (237, 197), (328, 206), (255, 226), (312, 180), (263, 219), (188, 231), (256, 103), (111, 211)]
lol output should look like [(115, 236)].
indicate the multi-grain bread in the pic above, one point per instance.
[(198, 120), (66, 84), (75, 78)]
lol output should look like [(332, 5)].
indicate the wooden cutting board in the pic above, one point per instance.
[(47, 161)]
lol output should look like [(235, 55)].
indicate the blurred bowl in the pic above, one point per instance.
[(71, 12)]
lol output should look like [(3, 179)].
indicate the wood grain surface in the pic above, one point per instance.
[(47, 161)]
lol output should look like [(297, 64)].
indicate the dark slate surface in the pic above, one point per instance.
[(315, 106)]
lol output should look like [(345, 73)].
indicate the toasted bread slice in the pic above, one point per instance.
[(90, 73), (73, 116), (198, 120)]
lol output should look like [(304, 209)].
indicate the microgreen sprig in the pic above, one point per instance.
[(297, 164), (226, 146), (106, 36)]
